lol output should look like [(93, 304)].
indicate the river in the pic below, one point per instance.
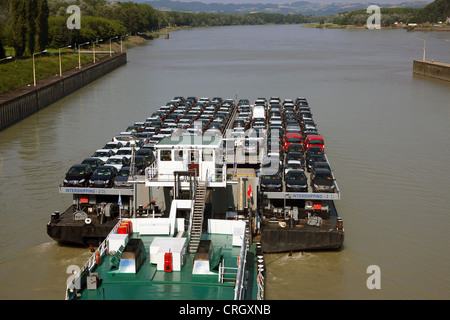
[(386, 131)]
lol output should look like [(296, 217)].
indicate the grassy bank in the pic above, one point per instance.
[(19, 72)]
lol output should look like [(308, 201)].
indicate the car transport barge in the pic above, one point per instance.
[(201, 182)]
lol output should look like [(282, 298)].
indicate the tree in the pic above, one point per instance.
[(19, 26), (30, 18), (2, 50), (42, 24)]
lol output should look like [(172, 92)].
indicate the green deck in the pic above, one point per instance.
[(150, 284)]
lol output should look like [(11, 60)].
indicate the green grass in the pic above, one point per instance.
[(19, 72)]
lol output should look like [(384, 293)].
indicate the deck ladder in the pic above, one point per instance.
[(197, 219)]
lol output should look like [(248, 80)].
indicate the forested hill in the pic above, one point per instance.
[(435, 12), (299, 7)]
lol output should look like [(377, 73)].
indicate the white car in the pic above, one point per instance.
[(117, 161), (103, 154)]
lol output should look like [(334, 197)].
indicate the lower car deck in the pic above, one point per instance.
[(283, 231)]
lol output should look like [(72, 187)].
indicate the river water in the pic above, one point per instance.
[(387, 137)]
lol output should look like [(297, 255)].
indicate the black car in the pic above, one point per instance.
[(121, 180), (297, 156), (140, 163), (314, 150), (78, 175), (319, 165), (147, 153), (271, 180), (296, 181), (311, 159), (93, 162), (295, 147), (103, 177), (323, 181)]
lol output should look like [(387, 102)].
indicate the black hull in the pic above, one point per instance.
[(65, 230), (298, 235), (292, 239)]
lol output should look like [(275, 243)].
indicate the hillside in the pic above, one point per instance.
[(436, 11), (299, 7)]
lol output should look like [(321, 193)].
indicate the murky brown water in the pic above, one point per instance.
[(387, 136)]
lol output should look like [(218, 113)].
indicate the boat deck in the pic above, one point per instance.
[(150, 283)]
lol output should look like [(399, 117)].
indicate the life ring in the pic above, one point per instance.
[(282, 224), (309, 204), (88, 220)]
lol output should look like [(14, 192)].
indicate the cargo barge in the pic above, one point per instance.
[(266, 148), (208, 182), (197, 173)]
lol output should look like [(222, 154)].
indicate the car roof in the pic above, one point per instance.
[(292, 171), (323, 170), (105, 166), (314, 136)]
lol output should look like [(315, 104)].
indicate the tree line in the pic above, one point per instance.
[(434, 12), (32, 25), (28, 26)]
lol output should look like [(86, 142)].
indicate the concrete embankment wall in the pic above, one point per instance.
[(432, 69), (25, 101)]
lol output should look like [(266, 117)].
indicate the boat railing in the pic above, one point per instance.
[(90, 264), (152, 173), (239, 289), (227, 274), (236, 274), (260, 284)]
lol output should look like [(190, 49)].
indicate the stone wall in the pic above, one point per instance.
[(432, 69), (25, 101)]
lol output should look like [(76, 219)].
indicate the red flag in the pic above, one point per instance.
[(249, 191)]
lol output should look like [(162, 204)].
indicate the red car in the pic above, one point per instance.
[(292, 138), (314, 140)]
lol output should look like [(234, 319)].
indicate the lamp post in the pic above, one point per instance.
[(110, 49), (34, 67), (7, 58), (60, 64), (121, 42), (93, 47), (424, 47), (79, 54)]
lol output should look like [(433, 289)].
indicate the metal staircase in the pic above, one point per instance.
[(197, 218)]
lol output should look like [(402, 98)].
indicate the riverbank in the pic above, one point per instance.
[(427, 28), (24, 101), (16, 73)]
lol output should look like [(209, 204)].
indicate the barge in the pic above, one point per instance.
[(213, 169)]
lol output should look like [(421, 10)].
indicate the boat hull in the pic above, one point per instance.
[(288, 239), (65, 230)]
